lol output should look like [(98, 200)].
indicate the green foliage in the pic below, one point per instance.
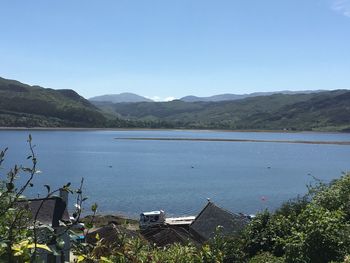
[(21, 234), (14, 219), (264, 234), (266, 257), (136, 250), (226, 248), (336, 196), (314, 228), (293, 207), (257, 236), (319, 235), (33, 106)]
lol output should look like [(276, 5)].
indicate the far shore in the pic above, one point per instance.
[(153, 129), (234, 140)]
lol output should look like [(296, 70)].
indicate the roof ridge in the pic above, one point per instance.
[(200, 213), (227, 211), (40, 199)]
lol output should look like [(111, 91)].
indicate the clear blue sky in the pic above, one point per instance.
[(173, 48)]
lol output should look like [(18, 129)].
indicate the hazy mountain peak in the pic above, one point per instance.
[(119, 98)]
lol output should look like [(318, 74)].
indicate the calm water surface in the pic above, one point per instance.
[(128, 177)]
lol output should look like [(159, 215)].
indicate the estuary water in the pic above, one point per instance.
[(130, 176)]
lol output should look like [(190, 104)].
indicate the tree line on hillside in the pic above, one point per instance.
[(313, 111), (22, 105)]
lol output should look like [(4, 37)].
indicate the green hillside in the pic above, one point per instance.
[(29, 106), (22, 105), (328, 110)]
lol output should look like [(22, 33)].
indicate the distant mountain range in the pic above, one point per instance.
[(131, 97), (225, 97), (121, 98), (22, 105), (326, 111)]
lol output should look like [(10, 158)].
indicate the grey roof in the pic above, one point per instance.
[(52, 210), (109, 234), (211, 217), (165, 235)]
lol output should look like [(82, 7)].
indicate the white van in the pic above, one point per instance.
[(153, 218)]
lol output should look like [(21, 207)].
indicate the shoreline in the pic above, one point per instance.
[(159, 129)]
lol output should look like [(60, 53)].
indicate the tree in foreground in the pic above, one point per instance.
[(22, 237)]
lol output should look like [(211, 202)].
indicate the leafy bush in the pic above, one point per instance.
[(266, 257), (313, 228), (21, 234), (318, 235), (336, 196)]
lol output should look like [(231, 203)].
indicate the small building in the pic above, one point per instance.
[(195, 230), (158, 218), (50, 210), (206, 222), (151, 219), (51, 213)]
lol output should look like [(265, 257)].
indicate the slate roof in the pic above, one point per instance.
[(166, 235), (212, 216), (52, 210), (109, 234)]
